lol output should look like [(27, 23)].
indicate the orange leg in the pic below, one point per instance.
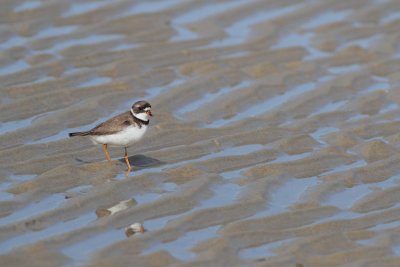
[(106, 151), (127, 160)]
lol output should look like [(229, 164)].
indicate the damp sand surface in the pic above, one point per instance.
[(274, 140)]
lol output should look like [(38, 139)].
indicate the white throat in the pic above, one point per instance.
[(141, 116)]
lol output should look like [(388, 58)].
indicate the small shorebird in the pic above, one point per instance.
[(122, 130)]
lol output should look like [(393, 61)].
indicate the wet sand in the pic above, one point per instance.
[(275, 138)]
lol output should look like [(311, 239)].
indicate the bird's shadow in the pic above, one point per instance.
[(141, 162), (138, 162)]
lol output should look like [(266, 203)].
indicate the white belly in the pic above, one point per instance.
[(125, 138)]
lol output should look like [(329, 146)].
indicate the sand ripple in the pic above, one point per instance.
[(274, 141)]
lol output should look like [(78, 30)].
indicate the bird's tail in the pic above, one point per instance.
[(79, 134)]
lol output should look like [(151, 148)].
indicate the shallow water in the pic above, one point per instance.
[(270, 118), (180, 248), (55, 230), (150, 7), (209, 97), (28, 5), (287, 195), (14, 67), (264, 250), (80, 8), (46, 204), (266, 106), (240, 31), (81, 252)]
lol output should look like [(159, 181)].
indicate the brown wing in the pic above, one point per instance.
[(113, 125)]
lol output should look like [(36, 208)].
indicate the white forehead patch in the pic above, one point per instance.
[(147, 109)]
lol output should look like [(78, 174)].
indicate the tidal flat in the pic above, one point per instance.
[(275, 139)]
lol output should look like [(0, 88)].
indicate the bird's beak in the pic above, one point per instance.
[(149, 113)]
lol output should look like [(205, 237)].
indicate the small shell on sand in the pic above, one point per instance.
[(134, 228), (101, 212)]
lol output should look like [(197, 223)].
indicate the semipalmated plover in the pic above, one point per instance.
[(122, 130)]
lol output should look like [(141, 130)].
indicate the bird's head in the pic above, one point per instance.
[(142, 110)]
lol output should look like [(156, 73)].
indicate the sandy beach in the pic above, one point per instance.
[(275, 139)]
